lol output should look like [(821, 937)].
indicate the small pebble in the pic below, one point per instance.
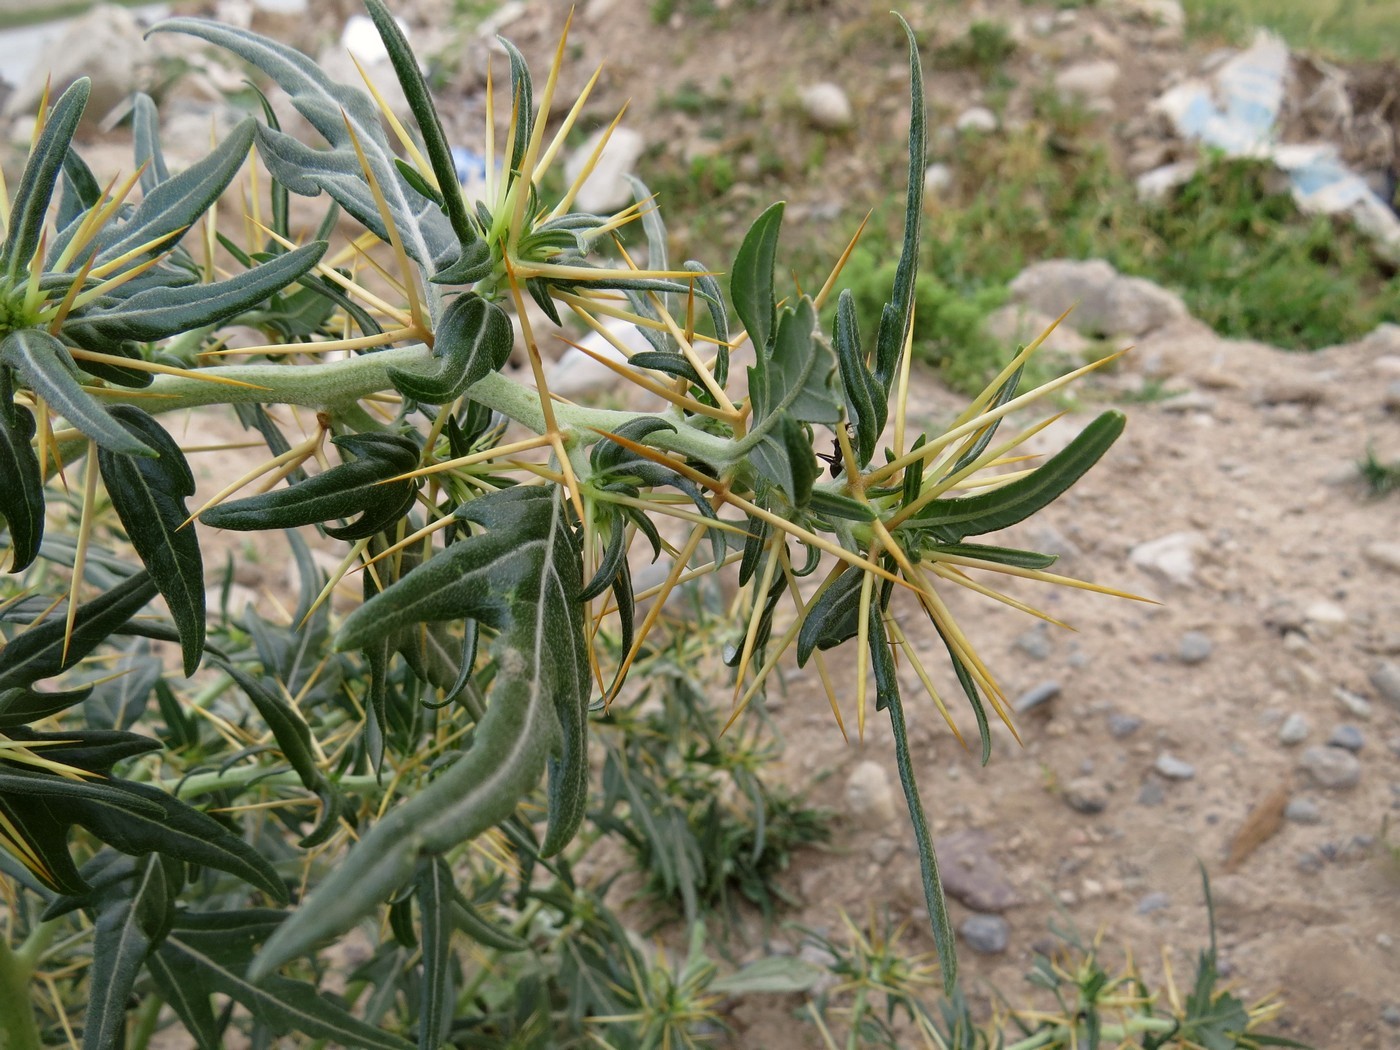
[(988, 934), (1356, 706), (1391, 1016), (1332, 768), (1385, 676), (1153, 902), (1086, 795), (1035, 643), (1303, 810), (1384, 555), (1152, 793), (1195, 647), (869, 797), (1120, 727), (1295, 730), (1347, 737), (1173, 768), (1036, 696), (1309, 863)]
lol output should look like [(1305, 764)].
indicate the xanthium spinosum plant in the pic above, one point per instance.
[(493, 526)]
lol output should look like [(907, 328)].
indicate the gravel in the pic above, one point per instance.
[(1086, 795), (1195, 647), (1303, 810), (988, 934), (1295, 730), (1173, 768), (1347, 737), (1331, 768)]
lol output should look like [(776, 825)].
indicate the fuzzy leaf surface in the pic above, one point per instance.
[(519, 578), (344, 116), (473, 339), (21, 485), (47, 368), (149, 496), (30, 203), (359, 485)]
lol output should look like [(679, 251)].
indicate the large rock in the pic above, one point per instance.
[(606, 190), (826, 106), (577, 375), (1105, 302), (104, 45), (1089, 82), (971, 874)]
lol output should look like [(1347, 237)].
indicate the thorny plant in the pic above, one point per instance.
[(491, 559), (1092, 1007)]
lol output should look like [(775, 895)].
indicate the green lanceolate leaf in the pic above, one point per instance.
[(177, 202), (833, 618), (1005, 394), (21, 485), (475, 259), (435, 890), (472, 340), (179, 831), (162, 311), (47, 368), (522, 99), (997, 555), (293, 738), (898, 314), (784, 456), (751, 281), (519, 578), (281, 1004), (344, 116), (950, 520), (145, 139), (791, 385), (30, 204), (131, 921), (360, 485), (866, 405), (20, 707), (188, 997), (39, 652), (149, 496), (887, 689)]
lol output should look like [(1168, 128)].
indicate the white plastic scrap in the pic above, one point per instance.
[(1236, 109)]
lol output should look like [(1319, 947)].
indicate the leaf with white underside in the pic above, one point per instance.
[(343, 115), (519, 578)]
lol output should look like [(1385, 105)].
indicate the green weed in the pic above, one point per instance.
[(1381, 478), (1367, 29)]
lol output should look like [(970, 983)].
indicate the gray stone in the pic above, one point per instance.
[(937, 179), (1121, 726), (1391, 1015), (869, 796), (1086, 795), (606, 189), (1347, 737), (1309, 863), (1385, 676), (1195, 647), (1036, 696), (1087, 81), (1153, 902), (1171, 558), (971, 874), (105, 45), (1152, 793), (1303, 810), (977, 119), (1356, 706), (1035, 643), (1295, 730), (1173, 768), (987, 934), (1331, 768), (826, 106), (1384, 555), (1105, 302), (1015, 323)]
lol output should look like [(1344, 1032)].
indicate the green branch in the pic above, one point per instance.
[(18, 1031), (338, 386)]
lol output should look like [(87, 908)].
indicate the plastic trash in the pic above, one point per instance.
[(1236, 109)]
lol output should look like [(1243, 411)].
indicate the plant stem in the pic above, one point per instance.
[(19, 1030), (147, 1015), (337, 386), (204, 783), (1112, 1033)]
